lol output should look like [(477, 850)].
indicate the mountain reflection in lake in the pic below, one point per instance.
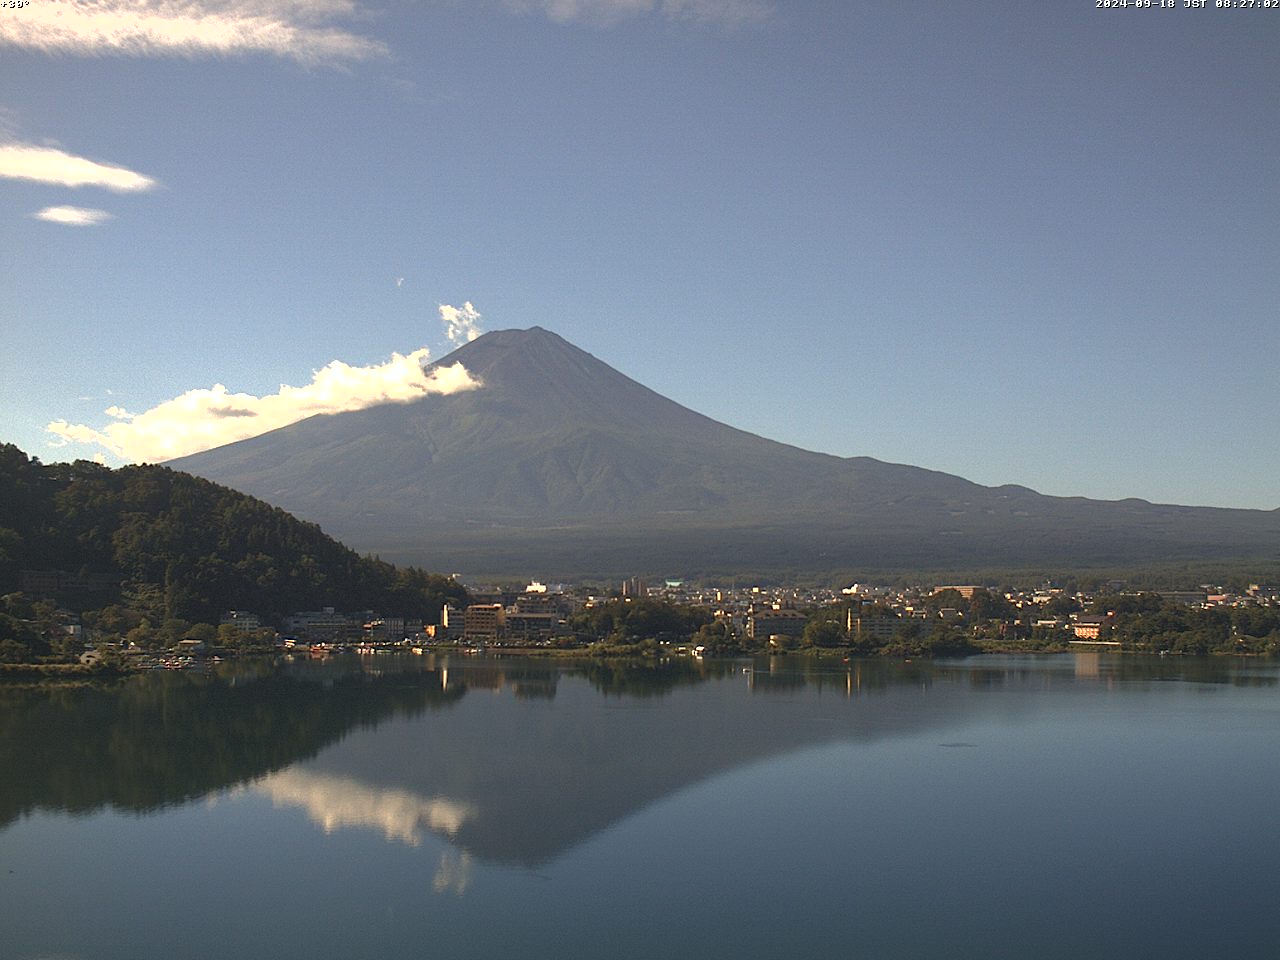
[(1054, 806)]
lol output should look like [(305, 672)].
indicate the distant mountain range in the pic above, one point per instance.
[(559, 465)]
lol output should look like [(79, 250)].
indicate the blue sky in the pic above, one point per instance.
[(1027, 243)]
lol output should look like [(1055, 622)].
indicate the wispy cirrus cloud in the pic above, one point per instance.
[(717, 12), (25, 161), (8, 122), (205, 418), (73, 216), (301, 30)]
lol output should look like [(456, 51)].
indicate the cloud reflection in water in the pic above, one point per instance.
[(337, 802)]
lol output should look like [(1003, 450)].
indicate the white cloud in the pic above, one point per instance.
[(336, 802), (205, 418), (23, 161), (461, 324), (722, 12), (298, 29), (73, 216)]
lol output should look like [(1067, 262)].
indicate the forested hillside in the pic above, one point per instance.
[(152, 543)]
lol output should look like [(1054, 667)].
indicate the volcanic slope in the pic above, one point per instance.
[(560, 464)]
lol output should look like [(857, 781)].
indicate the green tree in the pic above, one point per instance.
[(113, 621), (231, 637), (19, 642), (144, 636), (717, 637), (203, 631), (174, 629), (1061, 606), (822, 633), (631, 621)]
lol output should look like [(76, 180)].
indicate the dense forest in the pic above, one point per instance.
[(142, 547)]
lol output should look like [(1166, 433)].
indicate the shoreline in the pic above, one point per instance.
[(78, 672)]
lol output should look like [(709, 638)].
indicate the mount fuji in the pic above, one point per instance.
[(562, 466)]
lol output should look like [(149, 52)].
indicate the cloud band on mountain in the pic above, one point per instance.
[(205, 418)]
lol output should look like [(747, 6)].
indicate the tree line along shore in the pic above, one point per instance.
[(144, 558)]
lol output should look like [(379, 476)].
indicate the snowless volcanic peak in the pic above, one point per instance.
[(559, 462)]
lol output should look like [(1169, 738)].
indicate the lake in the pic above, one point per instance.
[(1086, 805)]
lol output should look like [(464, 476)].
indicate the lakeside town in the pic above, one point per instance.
[(143, 566), (675, 617)]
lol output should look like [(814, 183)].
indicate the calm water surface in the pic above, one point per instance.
[(1072, 806)]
